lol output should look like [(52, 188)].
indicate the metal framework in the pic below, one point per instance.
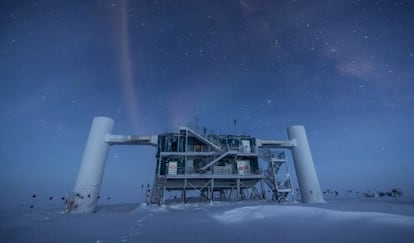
[(217, 167)]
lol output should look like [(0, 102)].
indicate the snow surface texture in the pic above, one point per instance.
[(246, 214), (384, 221)]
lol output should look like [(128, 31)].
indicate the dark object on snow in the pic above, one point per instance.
[(396, 192), (50, 198), (34, 196), (393, 193), (368, 194)]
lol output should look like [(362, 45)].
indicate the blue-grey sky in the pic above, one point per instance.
[(344, 69)]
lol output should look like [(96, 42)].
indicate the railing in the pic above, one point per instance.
[(223, 171), (242, 149), (198, 148)]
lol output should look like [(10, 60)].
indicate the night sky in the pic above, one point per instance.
[(343, 69)]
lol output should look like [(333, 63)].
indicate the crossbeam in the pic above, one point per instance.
[(131, 140)]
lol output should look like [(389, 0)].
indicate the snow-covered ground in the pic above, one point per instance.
[(352, 220)]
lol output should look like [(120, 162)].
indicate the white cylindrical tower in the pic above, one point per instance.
[(304, 166), (90, 174)]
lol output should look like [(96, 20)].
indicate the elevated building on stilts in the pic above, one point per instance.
[(198, 166)]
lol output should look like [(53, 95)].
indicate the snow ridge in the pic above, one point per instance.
[(246, 214)]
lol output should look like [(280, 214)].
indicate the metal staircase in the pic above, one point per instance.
[(230, 152), (158, 189), (277, 176), (200, 137)]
